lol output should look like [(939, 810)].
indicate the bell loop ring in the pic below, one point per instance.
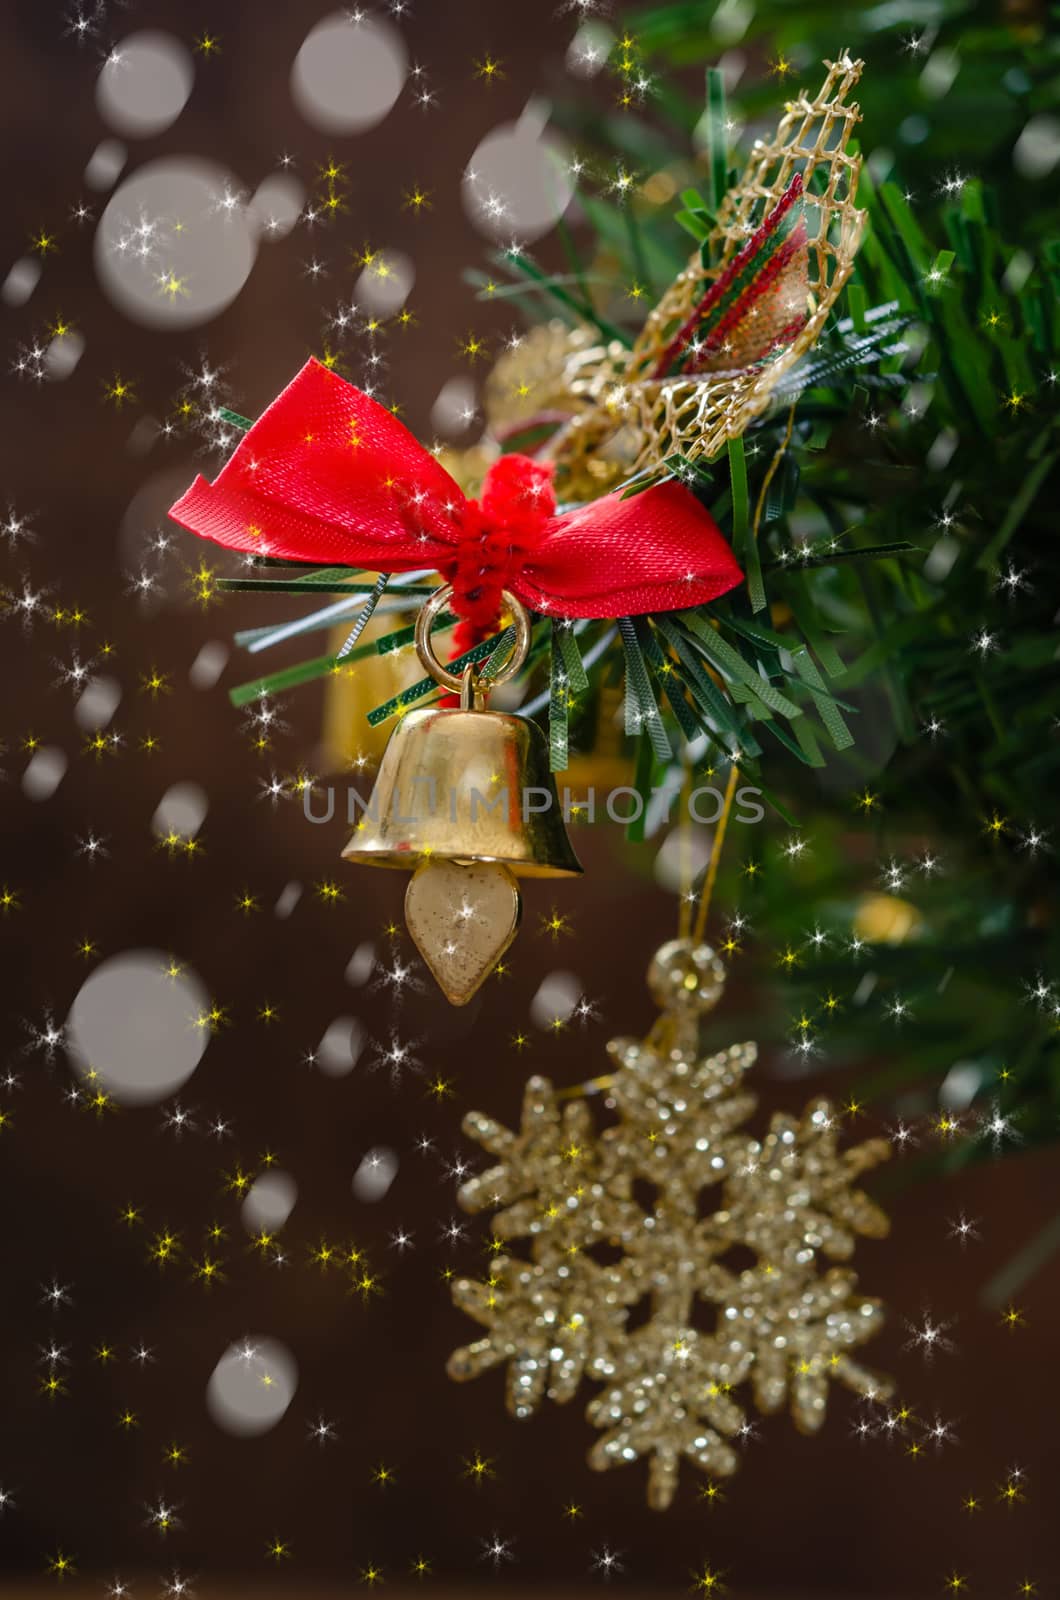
[(470, 685)]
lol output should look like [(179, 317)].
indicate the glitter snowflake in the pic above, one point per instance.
[(638, 1237)]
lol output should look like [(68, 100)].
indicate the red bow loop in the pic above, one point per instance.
[(517, 494), (327, 474)]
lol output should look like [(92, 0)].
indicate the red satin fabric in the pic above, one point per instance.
[(328, 474)]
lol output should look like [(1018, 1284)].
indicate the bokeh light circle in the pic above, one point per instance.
[(269, 1201), (176, 243), (135, 1027), (556, 998), (348, 73), (276, 204), (145, 83), (518, 182), (181, 812), (385, 284), (251, 1387), (375, 1174)]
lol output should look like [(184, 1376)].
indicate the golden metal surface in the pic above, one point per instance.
[(434, 607), (465, 786), (462, 917), (466, 798)]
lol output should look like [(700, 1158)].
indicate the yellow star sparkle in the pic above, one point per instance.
[(203, 584), (119, 391), (164, 1247), (367, 1284), (213, 1019), (489, 69), (473, 347), (154, 683), (208, 1271), (172, 286), (478, 1468)]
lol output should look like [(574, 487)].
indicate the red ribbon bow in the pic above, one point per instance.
[(328, 474)]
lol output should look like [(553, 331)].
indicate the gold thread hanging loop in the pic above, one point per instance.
[(773, 465), (715, 855), (684, 911)]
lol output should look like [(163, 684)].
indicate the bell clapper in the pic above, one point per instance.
[(462, 917), (462, 906)]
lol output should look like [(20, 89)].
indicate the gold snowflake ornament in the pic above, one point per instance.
[(638, 1237)]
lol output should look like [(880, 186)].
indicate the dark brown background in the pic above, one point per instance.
[(820, 1517)]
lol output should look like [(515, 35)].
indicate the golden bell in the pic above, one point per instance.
[(465, 786), (465, 799)]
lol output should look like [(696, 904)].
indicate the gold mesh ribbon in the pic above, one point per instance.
[(621, 420)]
